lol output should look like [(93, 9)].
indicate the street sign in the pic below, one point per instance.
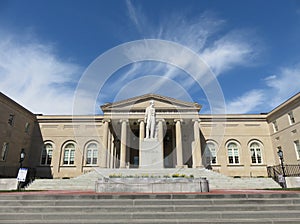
[(22, 174), (281, 179)]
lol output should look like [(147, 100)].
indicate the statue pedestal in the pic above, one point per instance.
[(151, 154)]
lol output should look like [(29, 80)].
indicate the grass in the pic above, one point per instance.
[(283, 189)]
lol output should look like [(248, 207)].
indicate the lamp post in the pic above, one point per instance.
[(280, 154), (22, 157)]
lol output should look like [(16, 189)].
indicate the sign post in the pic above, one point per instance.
[(21, 176)]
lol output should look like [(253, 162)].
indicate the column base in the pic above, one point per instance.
[(181, 166), (200, 166)]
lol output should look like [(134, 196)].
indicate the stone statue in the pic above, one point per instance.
[(150, 120)]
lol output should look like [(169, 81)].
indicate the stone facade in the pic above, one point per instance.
[(68, 146), (17, 130)]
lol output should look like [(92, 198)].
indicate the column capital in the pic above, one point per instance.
[(141, 120), (106, 120), (161, 119), (124, 120), (178, 119)]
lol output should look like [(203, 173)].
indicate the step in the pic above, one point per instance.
[(270, 208), (151, 202), (154, 215), (216, 180), (156, 221), (79, 208)]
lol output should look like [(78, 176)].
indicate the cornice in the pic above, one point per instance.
[(233, 117), (69, 118), (109, 107), (285, 107)]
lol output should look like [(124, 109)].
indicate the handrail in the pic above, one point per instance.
[(289, 171)]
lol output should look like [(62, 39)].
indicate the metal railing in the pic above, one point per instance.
[(289, 171)]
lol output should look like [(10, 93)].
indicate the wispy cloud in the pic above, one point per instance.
[(245, 103), (33, 75), (278, 88), (220, 51), (136, 16), (228, 52), (199, 34), (283, 85)]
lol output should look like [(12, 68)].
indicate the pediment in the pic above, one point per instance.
[(139, 104)]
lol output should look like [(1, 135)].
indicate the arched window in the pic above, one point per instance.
[(46, 154), (255, 150), (69, 154), (211, 153), (233, 153), (92, 154)]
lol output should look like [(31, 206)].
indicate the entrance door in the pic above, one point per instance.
[(169, 148)]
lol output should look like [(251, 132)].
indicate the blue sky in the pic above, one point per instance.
[(252, 47)]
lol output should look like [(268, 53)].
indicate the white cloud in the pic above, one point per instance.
[(228, 52), (245, 103), (278, 89), (284, 85), (35, 77), (136, 16), (199, 34)]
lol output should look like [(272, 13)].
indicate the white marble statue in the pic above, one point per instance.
[(150, 120)]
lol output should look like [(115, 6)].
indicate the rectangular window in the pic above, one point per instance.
[(213, 160), (49, 158), (95, 156), (66, 157), (72, 157), (44, 157), (233, 156), (259, 160), (291, 118), (89, 156), (256, 155), (275, 126), (4, 151), (253, 157), (297, 148), (236, 156)]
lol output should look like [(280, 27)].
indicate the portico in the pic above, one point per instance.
[(177, 132)]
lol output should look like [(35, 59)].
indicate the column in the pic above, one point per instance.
[(142, 136), (160, 131), (123, 143), (108, 153), (112, 154), (178, 143), (105, 144), (115, 160), (160, 137), (196, 151)]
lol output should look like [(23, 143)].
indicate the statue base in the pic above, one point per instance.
[(151, 154)]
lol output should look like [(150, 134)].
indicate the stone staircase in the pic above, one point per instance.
[(216, 180), (269, 208)]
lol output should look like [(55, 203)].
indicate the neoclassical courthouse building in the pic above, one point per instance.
[(60, 146)]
